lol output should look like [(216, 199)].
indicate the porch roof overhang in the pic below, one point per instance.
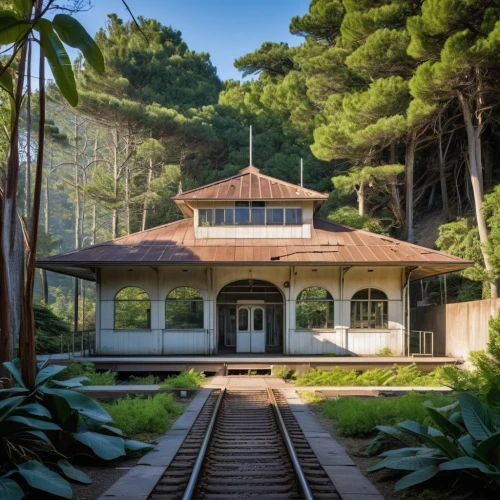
[(330, 244)]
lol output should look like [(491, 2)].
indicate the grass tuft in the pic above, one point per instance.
[(138, 417), (185, 380), (357, 417)]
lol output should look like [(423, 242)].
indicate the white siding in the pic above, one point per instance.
[(209, 281)]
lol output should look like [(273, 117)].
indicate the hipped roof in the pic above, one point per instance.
[(330, 244), (250, 184)]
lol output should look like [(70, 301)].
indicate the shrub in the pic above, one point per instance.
[(280, 371), (88, 370), (136, 416), (395, 376), (185, 380), (148, 380), (359, 417), (385, 351), (464, 440), (462, 380), (350, 217)]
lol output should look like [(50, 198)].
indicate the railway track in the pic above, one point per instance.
[(245, 444)]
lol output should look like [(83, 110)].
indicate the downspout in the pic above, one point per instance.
[(288, 312), (98, 313)]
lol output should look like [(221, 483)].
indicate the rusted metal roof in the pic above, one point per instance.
[(330, 244), (250, 184)]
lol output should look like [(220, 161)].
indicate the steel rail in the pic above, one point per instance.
[(304, 486), (191, 486)]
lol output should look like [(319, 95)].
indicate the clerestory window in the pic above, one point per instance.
[(254, 213)]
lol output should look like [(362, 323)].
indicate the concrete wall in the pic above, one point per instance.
[(458, 328), (158, 282)]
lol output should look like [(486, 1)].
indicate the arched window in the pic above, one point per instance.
[(132, 309), (314, 309), (369, 309), (183, 309)]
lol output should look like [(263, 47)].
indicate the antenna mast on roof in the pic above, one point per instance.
[(301, 172), (250, 145)]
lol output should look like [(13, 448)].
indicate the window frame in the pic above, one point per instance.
[(331, 304), (367, 308), (196, 300), (148, 311), (207, 217)]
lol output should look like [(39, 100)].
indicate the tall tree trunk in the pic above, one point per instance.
[(361, 199), (77, 225), (442, 173), (28, 140), (127, 199), (409, 174), (474, 151), (11, 242), (94, 223), (27, 332), (488, 164), (148, 190), (115, 180)]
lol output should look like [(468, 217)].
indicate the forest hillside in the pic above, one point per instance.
[(392, 104)]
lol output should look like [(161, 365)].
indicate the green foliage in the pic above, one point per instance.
[(385, 351), (39, 427), (280, 371), (185, 380), (462, 380), (349, 216), (395, 376), (355, 417), (48, 330), (461, 238), (88, 370), (150, 415), (273, 59), (147, 380), (464, 439)]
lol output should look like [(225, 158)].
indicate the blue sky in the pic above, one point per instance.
[(226, 29)]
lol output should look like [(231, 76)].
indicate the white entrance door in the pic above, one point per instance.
[(251, 334)]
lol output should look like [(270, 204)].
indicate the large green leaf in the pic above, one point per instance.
[(61, 412), (59, 61), (72, 473), (41, 436), (34, 422), (406, 463), (47, 373), (74, 34), (14, 372), (10, 490), (105, 447), (12, 28), (83, 404), (493, 399), (7, 406), (476, 416), (132, 445), (41, 478), (467, 444), (407, 452), (6, 81), (417, 477), (23, 7), (431, 436), (35, 409), (444, 424), (489, 450), (466, 463), (72, 382)]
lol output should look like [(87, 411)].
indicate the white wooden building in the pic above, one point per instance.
[(251, 270)]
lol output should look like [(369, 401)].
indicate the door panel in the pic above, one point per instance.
[(243, 333), (258, 333)]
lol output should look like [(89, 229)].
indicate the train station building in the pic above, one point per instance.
[(250, 269)]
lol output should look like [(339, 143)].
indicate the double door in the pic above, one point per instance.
[(251, 329)]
